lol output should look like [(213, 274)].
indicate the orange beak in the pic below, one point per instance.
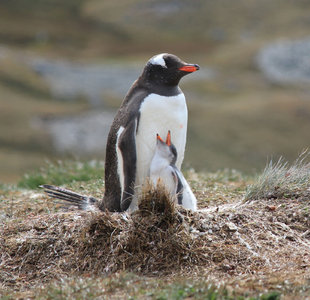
[(168, 139), (159, 138), (189, 68)]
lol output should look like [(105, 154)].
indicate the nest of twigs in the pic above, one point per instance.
[(159, 238)]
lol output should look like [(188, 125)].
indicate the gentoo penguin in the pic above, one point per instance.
[(154, 104), (164, 170)]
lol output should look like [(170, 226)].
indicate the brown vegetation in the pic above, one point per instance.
[(258, 244)]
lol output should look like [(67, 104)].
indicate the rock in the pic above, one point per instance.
[(290, 238), (231, 227), (226, 265), (69, 80), (271, 207), (79, 135), (286, 61)]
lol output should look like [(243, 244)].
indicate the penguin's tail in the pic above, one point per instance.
[(70, 198)]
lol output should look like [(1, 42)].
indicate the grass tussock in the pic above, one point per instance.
[(156, 201), (153, 240), (281, 180)]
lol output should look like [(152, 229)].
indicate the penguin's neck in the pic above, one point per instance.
[(158, 163), (159, 86)]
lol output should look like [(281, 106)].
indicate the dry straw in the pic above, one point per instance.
[(282, 180), (237, 240)]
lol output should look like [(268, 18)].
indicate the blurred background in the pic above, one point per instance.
[(65, 66)]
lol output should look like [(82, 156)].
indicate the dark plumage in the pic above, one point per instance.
[(160, 76), (154, 96)]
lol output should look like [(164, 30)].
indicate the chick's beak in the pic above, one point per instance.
[(159, 138), (168, 139)]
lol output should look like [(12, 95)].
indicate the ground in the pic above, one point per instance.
[(234, 247)]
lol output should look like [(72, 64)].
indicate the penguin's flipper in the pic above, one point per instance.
[(70, 198), (180, 187), (127, 147), (188, 198)]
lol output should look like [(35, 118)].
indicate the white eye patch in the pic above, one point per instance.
[(158, 60)]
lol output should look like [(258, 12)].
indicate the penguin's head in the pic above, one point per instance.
[(167, 69), (166, 150)]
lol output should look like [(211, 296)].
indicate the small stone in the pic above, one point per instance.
[(290, 238), (230, 227), (271, 207), (204, 227), (216, 228)]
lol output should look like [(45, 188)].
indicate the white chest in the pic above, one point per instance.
[(158, 114)]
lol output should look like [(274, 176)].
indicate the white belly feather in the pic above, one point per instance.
[(158, 114)]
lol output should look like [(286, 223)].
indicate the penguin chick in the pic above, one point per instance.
[(163, 170), (163, 167)]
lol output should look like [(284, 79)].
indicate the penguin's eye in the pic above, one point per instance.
[(171, 63), (168, 64)]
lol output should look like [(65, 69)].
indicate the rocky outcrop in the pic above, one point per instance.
[(286, 62)]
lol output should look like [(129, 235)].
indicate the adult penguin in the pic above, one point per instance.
[(154, 104)]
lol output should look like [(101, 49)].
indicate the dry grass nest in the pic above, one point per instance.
[(237, 239)]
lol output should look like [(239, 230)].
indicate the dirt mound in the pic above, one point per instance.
[(269, 237)]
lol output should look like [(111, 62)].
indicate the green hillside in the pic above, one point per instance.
[(237, 117)]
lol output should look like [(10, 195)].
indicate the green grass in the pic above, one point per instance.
[(130, 286), (202, 290), (63, 173)]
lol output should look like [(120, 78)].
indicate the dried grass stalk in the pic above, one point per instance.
[(282, 180)]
